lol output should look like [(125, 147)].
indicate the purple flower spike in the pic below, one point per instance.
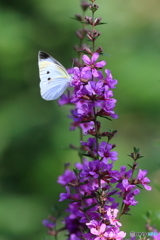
[(96, 193)]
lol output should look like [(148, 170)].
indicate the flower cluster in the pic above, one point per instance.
[(92, 95), (93, 187)]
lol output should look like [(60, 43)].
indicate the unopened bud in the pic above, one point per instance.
[(84, 5), (79, 17), (87, 50), (97, 21), (99, 50), (89, 20), (93, 7), (96, 34), (80, 34)]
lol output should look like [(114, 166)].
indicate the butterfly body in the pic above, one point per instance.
[(54, 77)]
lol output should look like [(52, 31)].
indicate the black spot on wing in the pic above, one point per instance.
[(48, 72), (43, 55), (49, 79)]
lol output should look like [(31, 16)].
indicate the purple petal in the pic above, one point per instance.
[(148, 188), (70, 70), (99, 84), (95, 56), (100, 64), (86, 69), (108, 73), (94, 231), (95, 73), (102, 228), (86, 59)]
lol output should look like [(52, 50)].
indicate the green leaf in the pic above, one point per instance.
[(75, 19), (128, 214), (106, 118), (149, 214), (102, 23), (76, 171), (136, 150), (105, 54), (87, 197)]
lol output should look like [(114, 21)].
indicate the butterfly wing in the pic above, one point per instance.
[(54, 77)]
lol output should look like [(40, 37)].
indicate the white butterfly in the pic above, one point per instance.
[(54, 77)]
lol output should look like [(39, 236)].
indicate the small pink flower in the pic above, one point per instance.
[(91, 64), (97, 229), (118, 235), (144, 180), (112, 214)]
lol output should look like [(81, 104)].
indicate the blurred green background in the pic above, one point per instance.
[(34, 136)]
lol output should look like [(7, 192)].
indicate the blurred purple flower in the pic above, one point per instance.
[(64, 196), (48, 224), (65, 99), (68, 176)]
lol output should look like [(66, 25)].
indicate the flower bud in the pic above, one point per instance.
[(93, 7), (78, 17), (99, 50), (84, 5), (89, 20), (97, 21), (87, 50), (80, 33)]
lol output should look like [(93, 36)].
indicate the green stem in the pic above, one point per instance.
[(80, 60), (81, 139), (94, 109), (95, 125), (93, 29), (121, 211)]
